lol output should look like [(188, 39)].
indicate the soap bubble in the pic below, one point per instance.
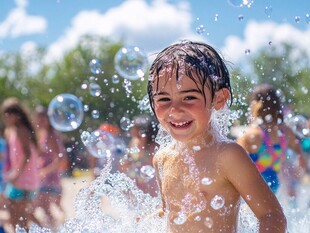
[(66, 112), (94, 89), (125, 123), (241, 3), (99, 143), (131, 62), (95, 66)]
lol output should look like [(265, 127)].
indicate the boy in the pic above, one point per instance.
[(201, 174)]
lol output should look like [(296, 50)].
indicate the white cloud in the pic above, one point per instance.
[(149, 26), (19, 23), (259, 35)]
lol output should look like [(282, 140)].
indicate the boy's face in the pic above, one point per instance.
[(181, 107)]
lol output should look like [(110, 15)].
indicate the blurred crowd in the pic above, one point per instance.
[(34, 157)]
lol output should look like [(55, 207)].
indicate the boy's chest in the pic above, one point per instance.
[(188, 175)]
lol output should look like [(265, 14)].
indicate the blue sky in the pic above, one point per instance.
[(152, 25)]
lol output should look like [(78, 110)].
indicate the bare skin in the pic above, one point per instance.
[(195, 155)]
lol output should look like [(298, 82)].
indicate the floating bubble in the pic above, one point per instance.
[(247, 52), (268, 11), (99, 143), (95, 114), (308, 18), (86, 108), (297, 19), (217, 202), (115, 79), (125, 123), (65, 112), (241, 3), (200, 29), (216, 17), (240, 17), (95, 66), (94, 89), (131, 62), (147, 172)]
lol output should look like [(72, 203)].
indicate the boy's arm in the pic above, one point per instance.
[(242, 173)]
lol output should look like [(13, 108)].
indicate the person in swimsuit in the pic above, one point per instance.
[(52, 152), (268, 139), (202, 174), (22, 174)]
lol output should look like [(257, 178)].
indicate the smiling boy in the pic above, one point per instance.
[(202, 176)]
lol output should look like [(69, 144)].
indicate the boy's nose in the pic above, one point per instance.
[(174, 112)]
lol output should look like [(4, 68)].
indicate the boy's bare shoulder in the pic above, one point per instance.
[(231, 153)]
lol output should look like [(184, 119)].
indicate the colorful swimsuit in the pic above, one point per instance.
[(268, 159)]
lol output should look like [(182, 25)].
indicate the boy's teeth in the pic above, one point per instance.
[(181, 123)]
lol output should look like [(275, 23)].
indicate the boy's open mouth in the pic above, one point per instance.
[(183, 124)]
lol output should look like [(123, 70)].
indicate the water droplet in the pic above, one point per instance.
[(147, 172), (208, 222), (95, 66), (307, 18), (115, 79), (217, 202), (200, 29), (268, 11), (247, 52), (86, 108), (297, 19), (206, 181), (216, 17), (181, 219), (240, 17), (95, 114), (196, 148)]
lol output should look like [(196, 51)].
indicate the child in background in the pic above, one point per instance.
[(3, 157), (201, 173), (52, 152), (22, 180), (269, 140), (139, 165)]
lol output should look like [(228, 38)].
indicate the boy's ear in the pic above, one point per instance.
[(220, 98)]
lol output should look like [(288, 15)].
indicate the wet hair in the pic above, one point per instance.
[(270, 102), (13, 106), (198, 61)]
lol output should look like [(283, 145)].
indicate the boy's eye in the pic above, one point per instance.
[(163, 99), (190, 97)]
